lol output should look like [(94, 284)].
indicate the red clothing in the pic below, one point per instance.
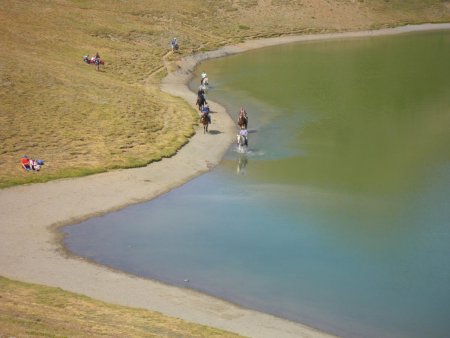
[(25, 162)]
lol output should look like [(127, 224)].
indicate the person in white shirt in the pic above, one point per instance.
[(244, 132)]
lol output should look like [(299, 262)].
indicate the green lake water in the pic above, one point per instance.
[(337, 216)]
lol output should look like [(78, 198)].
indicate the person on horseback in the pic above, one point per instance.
[(206, 111), (201, 101), (242, 118), (244, 132), (205, 118), (204, 77), (174, 44)]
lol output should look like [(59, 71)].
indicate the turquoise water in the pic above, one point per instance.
[(337, 216)]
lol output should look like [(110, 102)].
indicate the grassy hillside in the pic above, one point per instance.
[(80, 121), (28, 310)]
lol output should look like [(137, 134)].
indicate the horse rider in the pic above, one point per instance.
[(244, 132), (243, 115), (206, 111), (174, 44), (200, 92), (203, 77), (201, 101)]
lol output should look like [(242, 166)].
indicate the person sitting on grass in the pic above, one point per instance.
[(25, 162), (35, 165)]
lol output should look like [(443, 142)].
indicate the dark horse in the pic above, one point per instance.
[(201, 101), (243, 121), (205, 120)]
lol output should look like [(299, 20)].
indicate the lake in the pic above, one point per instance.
[(337, 216)]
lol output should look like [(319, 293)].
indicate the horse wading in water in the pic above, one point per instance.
[(204, 83), (243, 119), (242, 139)]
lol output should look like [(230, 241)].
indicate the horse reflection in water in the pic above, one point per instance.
[(242, 165)]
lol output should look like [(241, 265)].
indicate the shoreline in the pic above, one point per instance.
[(31, 251)]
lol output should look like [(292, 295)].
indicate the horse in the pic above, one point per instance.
[(204, 83), (201, 101), (243, 121), (242, 142), (204, 88), (205, 120)]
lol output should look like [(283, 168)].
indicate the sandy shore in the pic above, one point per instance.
[(30, 250)]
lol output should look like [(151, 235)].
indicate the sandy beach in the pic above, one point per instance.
[(31, 249)]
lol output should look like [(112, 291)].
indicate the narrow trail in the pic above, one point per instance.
[(152, 80)]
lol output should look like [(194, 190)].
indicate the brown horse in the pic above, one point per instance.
[(242, 121), (205, 120)]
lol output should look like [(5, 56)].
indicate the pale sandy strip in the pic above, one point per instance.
[(30, 250)]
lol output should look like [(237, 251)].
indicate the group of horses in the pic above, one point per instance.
[(202, 104), (205, 118)]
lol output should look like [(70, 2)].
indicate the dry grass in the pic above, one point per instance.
[(28, 310), (56, 108)]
